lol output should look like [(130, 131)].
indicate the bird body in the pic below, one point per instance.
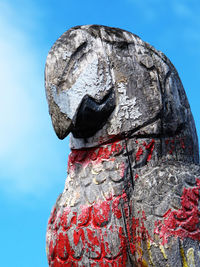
[(102, 219), (87, 216), (131, 197)]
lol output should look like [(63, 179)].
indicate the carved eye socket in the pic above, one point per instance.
[(122, 45), (122, 49)]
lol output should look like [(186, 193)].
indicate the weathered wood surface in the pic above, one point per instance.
[(131, 197)]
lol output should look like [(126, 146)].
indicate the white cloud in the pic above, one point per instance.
[(23, 143), (17, 69)]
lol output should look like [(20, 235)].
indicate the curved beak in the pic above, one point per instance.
[(61, 123)]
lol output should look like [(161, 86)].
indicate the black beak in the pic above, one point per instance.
[(92, 115)]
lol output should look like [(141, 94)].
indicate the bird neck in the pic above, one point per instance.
[(137, 152)]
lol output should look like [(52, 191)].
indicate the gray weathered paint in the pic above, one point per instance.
[(151, 107)]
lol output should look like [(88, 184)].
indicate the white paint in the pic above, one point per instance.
[(125, 111), (122, 119), (88, 83)]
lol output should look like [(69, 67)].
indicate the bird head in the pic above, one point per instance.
[(103, 82)]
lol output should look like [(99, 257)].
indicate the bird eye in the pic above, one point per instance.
[(122, 49)]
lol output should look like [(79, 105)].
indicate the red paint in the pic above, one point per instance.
[(79, 234), (170, 145), (93, 155), (139, 153), (74, 218), (150, 148), (64, 218), (115, 208), (123, 241), (101, 213), (92, 237), (184, 222), (182, 143), (58, 263), (90, 225), (83, 157), (122, 169), (60, 249), (116, 205), (94, 242), (106, 249), (173, 143), (90, 222), (137, 232), (85, 215)]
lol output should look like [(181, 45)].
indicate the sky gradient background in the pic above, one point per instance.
[(33, 161)]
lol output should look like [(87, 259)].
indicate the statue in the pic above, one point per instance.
[(132, 193)]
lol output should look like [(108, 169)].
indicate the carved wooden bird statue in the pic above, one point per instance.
[(132, 193)]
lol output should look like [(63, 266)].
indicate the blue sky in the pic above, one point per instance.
[(33, 161)]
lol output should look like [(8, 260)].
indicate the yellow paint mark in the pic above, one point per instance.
[(163, 251), (149, 252), (190, 257), (122, 80), (69, 178), (140, 252), (94, 181), (93, 172), (183, 257), (144, 263), (148, 244)]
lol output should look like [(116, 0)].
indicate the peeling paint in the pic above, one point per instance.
[(184, 222), (190, 257), (138, 166)]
